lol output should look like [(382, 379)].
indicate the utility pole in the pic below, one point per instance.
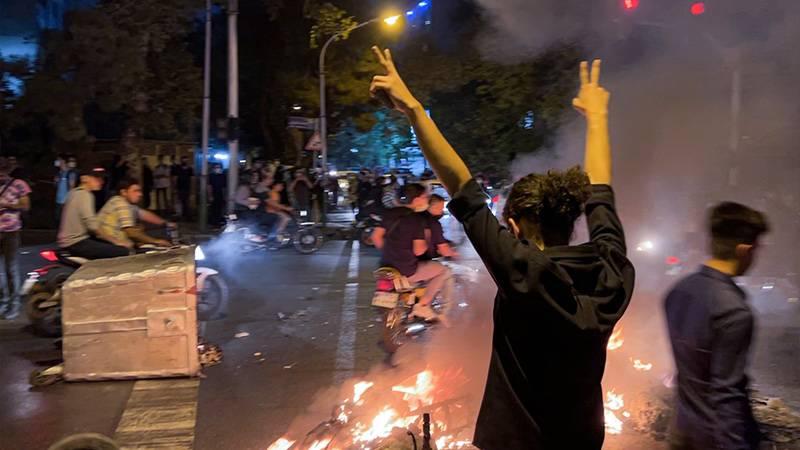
[(233, 102), (202, 207), (736, 110)]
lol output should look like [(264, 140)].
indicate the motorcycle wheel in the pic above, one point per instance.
[(212, 301), (366, 237), (307, 240), (393, 330), (45, 322)]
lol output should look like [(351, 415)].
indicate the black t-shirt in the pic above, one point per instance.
[(554, 312), (403, 227)]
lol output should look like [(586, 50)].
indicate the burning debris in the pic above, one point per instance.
[(391, 418)]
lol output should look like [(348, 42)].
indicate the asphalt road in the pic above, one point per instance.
[(306, 333)]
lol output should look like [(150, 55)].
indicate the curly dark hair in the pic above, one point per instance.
[(552, 201)]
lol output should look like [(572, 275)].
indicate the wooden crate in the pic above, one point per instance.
[(131, 317)]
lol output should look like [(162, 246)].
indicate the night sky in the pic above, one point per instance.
[(17, 17)]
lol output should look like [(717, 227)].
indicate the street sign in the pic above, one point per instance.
[(315, 143), (302, 123)]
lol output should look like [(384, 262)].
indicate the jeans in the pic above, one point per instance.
[(438, 278), (92, 248), (10, 278)]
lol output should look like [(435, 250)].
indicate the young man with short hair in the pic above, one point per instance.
[(120, 216), (14, 198), (711, 329)]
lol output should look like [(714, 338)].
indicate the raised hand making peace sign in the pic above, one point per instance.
[(592, 98), (390, 88)]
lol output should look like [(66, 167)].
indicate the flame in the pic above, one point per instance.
[(320, 445), (360, 388), (614, 402), (639, 365), (281, 444), (418, 395), (449, 442), (382, 425), (615, 341), (362, 424)]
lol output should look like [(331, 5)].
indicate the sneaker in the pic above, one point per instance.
[(424, 312)]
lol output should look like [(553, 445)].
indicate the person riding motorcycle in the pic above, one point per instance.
[(120, 216), (401, 238), (438, 245), (79, 232)]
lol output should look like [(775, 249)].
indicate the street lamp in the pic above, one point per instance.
[(323, 120)]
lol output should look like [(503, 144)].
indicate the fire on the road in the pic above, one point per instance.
[(388, 415), (613, 407)]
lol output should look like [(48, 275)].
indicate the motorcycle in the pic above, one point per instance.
[(396, 296), (42, 289), (303, 235)]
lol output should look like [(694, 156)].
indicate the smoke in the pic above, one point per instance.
[(671, 76)]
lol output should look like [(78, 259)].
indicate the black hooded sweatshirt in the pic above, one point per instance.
[(554, 312)]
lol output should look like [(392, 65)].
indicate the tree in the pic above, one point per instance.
[(118, 69), (12, 70)]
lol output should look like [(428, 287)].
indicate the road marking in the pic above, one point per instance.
[(353, 266), (159, 414), (345, 350)]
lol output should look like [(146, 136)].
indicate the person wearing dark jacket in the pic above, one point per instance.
[(556, 304), (711, 329)]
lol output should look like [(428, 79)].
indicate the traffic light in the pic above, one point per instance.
[(630, 5), (698, 8)]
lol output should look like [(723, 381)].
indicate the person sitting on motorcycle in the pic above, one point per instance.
[(120, 216), (274, 206), (79, 232), (438, 245), (401, 238)]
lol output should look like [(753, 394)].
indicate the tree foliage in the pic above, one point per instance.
[(117, 69)]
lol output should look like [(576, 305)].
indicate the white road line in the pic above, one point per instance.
[(345, 350), (352, 268)]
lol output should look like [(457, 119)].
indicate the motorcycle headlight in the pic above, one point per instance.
[(198, 254)]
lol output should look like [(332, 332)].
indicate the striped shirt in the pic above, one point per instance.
[(116, 215)]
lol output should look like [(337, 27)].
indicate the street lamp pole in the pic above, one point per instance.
[(202, 210), (323, 119), (233, 103)]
